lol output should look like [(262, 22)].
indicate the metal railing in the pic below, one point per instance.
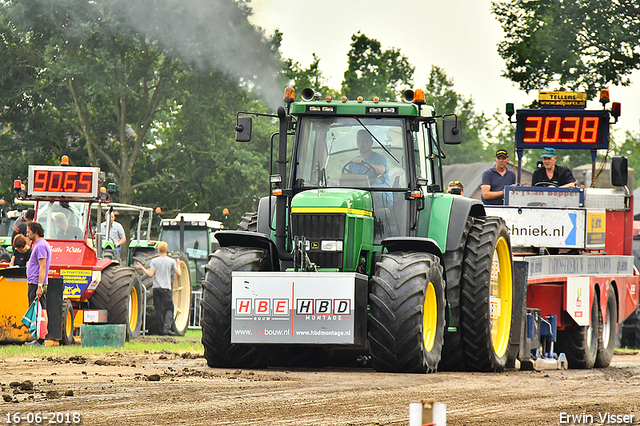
[(196, 310)]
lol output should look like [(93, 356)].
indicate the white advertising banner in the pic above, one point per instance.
[(543, 227), (297, 307)]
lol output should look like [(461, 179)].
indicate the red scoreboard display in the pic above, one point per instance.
[(63, 182), (562, 129)]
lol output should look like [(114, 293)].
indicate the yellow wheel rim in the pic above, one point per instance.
[(134, 298), (68, 324), (182, 297), (501, 298), (430, 318)]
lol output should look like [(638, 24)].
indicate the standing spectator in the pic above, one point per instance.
[(551, 174), (496, 178), (38, 268), (116, 232), (21, 251), (20, 225), (161, 269)]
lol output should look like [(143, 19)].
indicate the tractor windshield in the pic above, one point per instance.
[(329, 148), (364, 153), (62, 220)]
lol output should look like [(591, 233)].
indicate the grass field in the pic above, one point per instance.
[(190, 342)]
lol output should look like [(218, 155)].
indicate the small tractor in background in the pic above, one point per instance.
[(349, 263), (577, 242), (7, 219), (92, 289)]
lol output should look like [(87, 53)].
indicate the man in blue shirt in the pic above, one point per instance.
[(496, 178), (373, 164)]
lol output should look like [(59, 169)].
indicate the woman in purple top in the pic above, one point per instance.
[(38, 267)]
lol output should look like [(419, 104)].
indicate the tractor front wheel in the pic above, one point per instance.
[(217, 309), (406, 319)]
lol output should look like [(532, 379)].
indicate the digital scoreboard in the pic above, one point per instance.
[(562, 129), (63, 182)]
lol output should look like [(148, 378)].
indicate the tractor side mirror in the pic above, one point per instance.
[(451, 131), (619, 171), (243, 129)]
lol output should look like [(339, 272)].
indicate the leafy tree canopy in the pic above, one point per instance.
[(375, 72), (580, 45)]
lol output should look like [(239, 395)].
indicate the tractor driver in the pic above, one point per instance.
[(373, 164), (66, 231)]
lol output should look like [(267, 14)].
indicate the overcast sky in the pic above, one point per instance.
[(459, 36)]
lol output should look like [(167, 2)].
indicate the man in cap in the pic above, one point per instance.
[(496, 178), (552, 174)]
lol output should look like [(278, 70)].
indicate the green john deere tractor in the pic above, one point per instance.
[(358, 250)]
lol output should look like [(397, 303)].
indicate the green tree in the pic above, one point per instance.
[(91, 78), (572, 44), (312, 77), (630, 148), (439, 92), (375, 72)]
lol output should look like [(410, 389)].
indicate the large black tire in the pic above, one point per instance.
[(487, 296), (111, 254), (114, 294), (580, 344), (181, 291), (452, 352), (629, 331), (406, 319), (216, 307), (5, 256), (248, 222), (67, 323), (608, 331)]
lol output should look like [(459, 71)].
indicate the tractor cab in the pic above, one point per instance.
[(369, 154)]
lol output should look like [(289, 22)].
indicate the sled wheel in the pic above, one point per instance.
[(580, 344), (607, 338)]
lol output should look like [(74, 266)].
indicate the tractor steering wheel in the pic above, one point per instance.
[(368, 166), (547, 184)]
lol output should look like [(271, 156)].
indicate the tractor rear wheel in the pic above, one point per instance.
[(5, 256), (609, 329), (487, 296), (580, 344), (67, 322), (114, 294), (406, 319), (217, 309), (452, 353), (249, 222)]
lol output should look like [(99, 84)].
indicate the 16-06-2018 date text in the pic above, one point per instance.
[(38, 418)]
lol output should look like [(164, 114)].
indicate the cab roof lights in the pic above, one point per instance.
[(289, 95)]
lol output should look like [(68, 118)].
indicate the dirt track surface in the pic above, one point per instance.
[(169, 388)]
